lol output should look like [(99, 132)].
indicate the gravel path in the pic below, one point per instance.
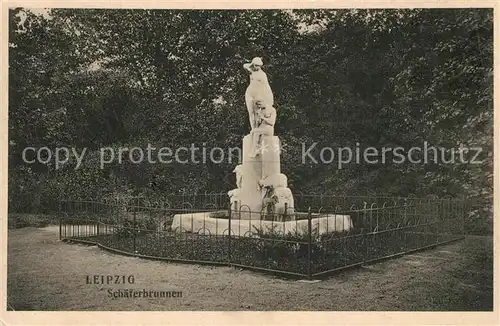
[(46, 274)]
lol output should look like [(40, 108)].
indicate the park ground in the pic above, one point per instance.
[(47, 274)]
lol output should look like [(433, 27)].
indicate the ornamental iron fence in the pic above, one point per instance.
[(333, 233)]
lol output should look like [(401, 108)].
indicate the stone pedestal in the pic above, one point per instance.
[(250, 195), (264, 166), (270, 156)]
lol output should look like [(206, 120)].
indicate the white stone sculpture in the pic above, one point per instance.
[(269, 200), (234, 197), (265, 120), (234, 194), (277, 192), (285, 203), (276, 180), (239, 175), (261, 152), (259, 88)]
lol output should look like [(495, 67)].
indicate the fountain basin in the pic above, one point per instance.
[(216, 223)]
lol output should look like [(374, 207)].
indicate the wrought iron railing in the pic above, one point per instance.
[(376, 228)]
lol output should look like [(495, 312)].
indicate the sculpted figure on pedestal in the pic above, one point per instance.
[(259, 88), (234, 194), (265, 119), (278, 196)]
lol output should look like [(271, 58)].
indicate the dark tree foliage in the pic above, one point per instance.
[(126, 78)]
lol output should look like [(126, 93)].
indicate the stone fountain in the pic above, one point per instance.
[(262, 188), (262, 200)]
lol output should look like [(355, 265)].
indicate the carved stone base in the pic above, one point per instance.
[(261, 175), (203, 223)]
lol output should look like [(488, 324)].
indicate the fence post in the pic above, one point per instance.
[(134, 223), (366, 237), (98, 213), (229, 235), (60, 219), (465, 208), (284, 213), (309, 243)]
